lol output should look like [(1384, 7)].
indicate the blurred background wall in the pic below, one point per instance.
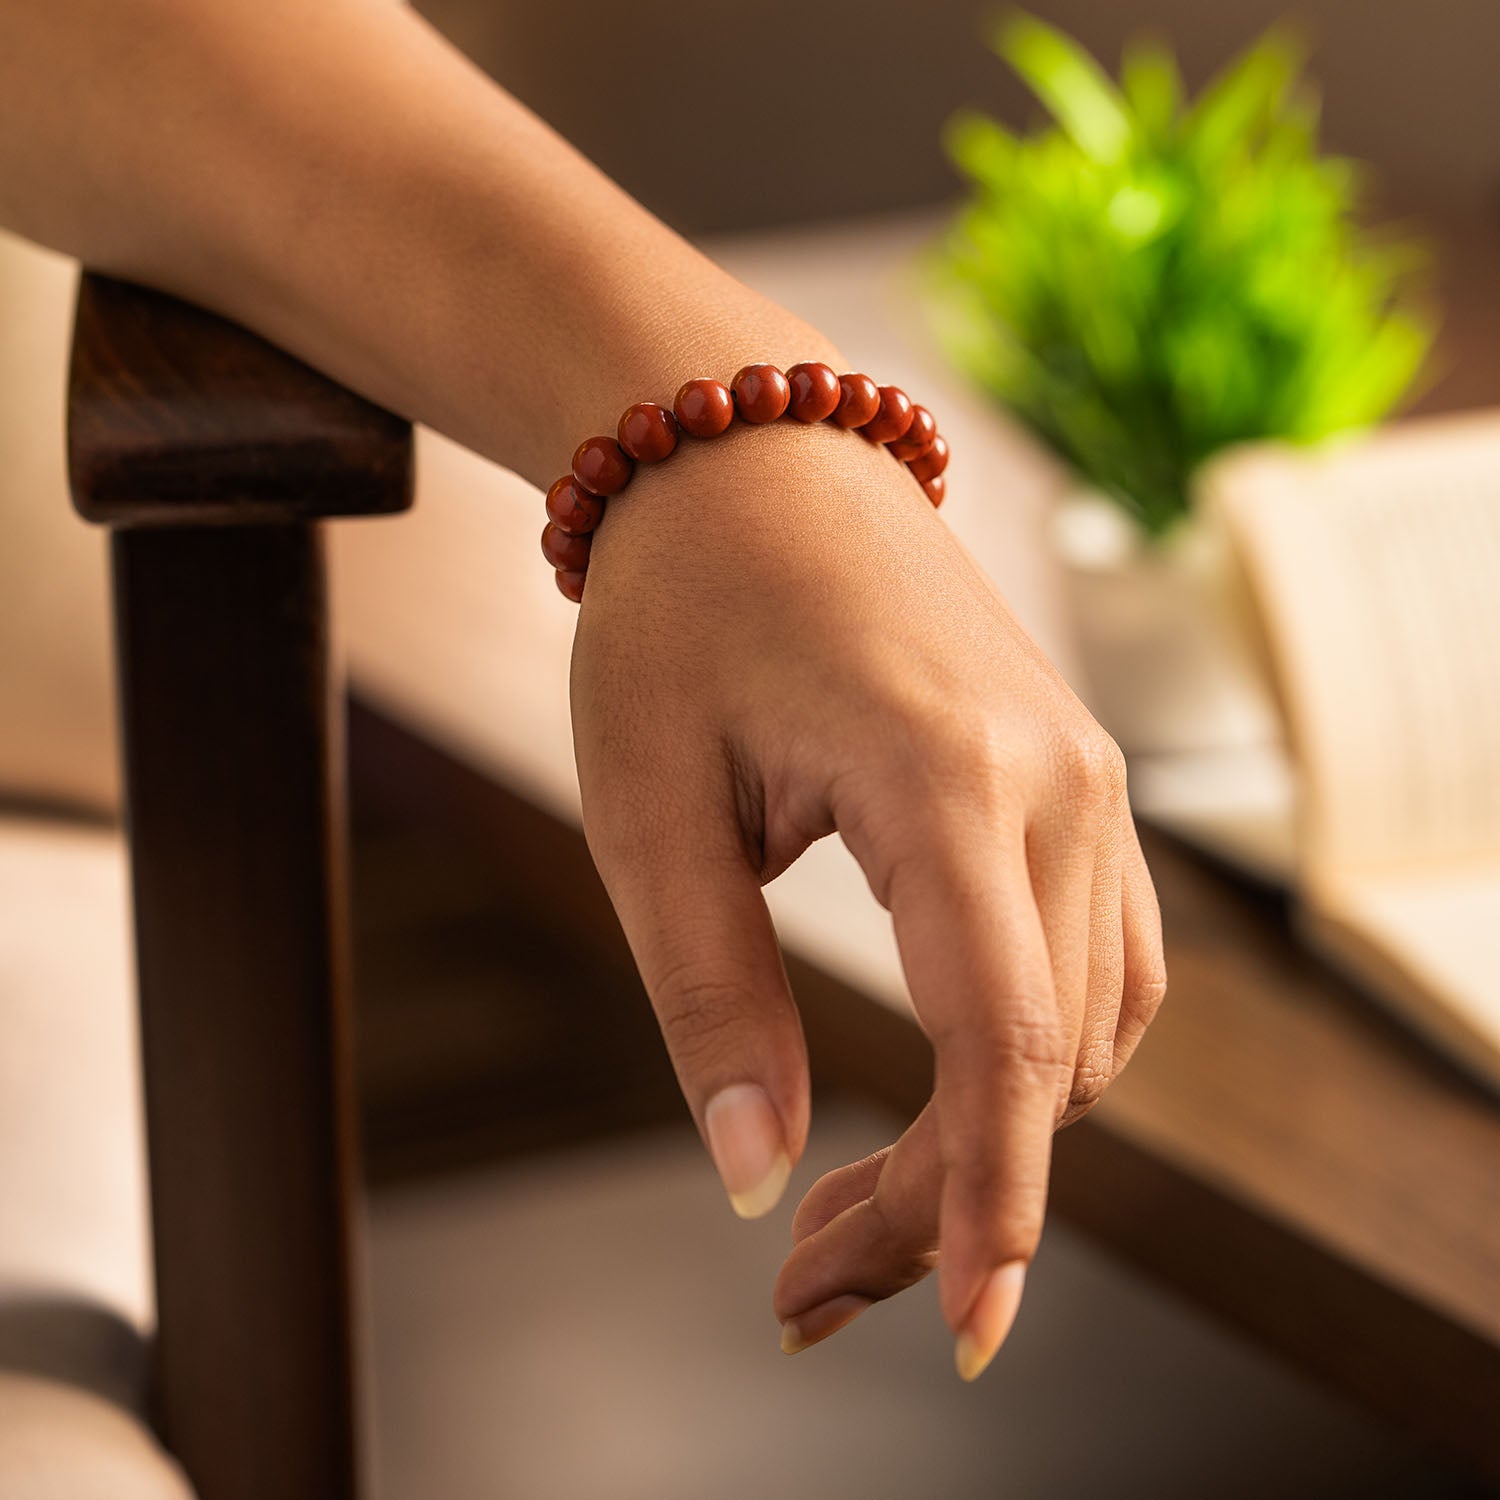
[(715, 114)]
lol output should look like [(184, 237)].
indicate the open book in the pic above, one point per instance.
[(1376, 569)]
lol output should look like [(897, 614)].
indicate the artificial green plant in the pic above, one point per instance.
[(1149, 279)]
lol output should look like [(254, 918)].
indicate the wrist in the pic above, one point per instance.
[(704, 324)]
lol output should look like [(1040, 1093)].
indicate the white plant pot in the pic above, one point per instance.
[(1165, 633)]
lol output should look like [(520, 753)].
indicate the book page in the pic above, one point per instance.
[(1431, 944), (1377, 568)]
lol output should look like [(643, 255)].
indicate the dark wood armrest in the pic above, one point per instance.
[(179, 418), (187, 435)]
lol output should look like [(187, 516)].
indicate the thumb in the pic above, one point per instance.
[(702, 938)]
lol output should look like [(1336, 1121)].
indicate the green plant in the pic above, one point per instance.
[(1152, 278)]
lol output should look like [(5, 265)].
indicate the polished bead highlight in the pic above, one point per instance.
[(761, 393), (570, 584), (648, 432), (932, 462), (815, 391), (704, 408), (571, 508), (566, 552), (892, 417), (917, 438), (601, 466), (859, 400), (935, 488)]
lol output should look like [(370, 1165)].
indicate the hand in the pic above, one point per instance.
[(779, 640)]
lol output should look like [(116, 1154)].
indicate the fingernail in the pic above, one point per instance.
[(817, 1323), (989, 1321), (744, 1138)]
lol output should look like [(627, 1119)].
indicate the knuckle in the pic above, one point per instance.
[(983, 773), (1029, 1036), (1023, 1037), (1141, 1002), (1152, 991), (1024, 1031), (963, 758), (1092, 768), (1140, 1006), (1090, 1079), (948, 782)]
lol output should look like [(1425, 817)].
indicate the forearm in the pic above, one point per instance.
[(338, 178)]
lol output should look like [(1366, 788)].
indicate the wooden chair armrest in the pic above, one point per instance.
[(213, 458), (179, 418)]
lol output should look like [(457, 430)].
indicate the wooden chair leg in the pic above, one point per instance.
[(235, 796)]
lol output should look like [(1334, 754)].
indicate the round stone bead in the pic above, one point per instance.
[(601, 466), (932, 462), (917, 438), (815, 391), (570, 584), (891, 418), (704, 408), (569, 553), (935, 488), (571, 508), (859, 400), (648, 432), (761, 393)]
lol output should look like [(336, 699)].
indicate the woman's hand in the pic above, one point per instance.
[(780, 639)]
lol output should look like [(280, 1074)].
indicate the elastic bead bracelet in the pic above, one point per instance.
[(759, 394)]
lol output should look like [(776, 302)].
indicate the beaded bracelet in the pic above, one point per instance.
[(648, 433)]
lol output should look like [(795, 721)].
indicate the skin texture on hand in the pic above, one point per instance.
[(781, 640)]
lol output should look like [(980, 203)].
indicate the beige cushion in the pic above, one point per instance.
[(73, 1217), (75, 1298), (56, 706), (60, 1442)]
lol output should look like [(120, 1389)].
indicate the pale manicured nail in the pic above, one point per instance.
[(817, 1323), (990, 1318), (744, 1138)]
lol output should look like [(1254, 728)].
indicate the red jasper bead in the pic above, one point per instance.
[(892, 418), (570, 584), (917, 438), (704, 408), (570, 553), (648, 432), (601, 466), (859, 400), (935, 488), (761, 393), (815, 391), (571, 508), (932, 462)]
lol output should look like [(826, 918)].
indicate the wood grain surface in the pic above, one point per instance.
[(178, 417)]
